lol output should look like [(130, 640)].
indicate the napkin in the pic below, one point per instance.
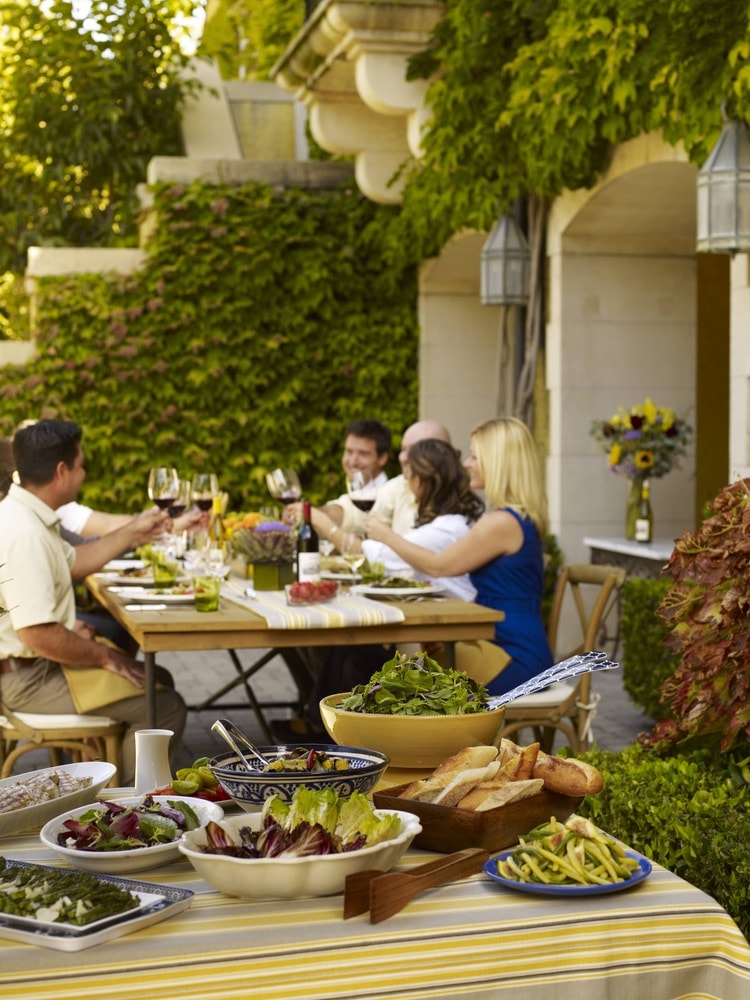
[(343, 611)]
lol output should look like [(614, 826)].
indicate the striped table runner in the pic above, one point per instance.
[(345, 610), (661, 940)]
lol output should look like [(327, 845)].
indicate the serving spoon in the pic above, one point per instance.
[(581, 663), (234, 736)]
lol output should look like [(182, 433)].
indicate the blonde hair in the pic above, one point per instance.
[(509, 464)]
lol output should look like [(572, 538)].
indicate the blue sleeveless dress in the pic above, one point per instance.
[(513, 584)]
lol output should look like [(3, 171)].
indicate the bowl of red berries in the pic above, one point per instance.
[(312, 592)]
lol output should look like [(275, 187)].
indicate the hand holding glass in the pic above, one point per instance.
[(362, 490), (163, 486), (284, 485), (205, 486)]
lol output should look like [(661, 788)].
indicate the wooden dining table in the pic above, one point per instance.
[(180, 627), (662, 939)]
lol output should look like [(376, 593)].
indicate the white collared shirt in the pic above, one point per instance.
[(35, 577)]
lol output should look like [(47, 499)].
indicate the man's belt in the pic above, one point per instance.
[(12, 663)]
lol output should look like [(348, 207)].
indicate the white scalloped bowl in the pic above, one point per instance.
[(288, 877), (140, 859)]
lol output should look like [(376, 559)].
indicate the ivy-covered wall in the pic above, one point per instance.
[(263, 322)]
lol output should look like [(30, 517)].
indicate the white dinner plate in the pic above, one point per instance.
[(149, 595), (155, 903), (119, 565), (540, 889), (372, 590), (343, 577)]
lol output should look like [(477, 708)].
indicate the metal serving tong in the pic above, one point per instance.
[(581, 663), (385, 893), (234, 736)]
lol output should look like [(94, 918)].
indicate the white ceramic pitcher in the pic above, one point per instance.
[(152, 768)]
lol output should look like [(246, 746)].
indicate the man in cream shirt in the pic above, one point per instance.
[(40, 636)]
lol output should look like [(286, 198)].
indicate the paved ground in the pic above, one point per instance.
[(199, 675)]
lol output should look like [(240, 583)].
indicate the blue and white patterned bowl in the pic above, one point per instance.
[(250, 789)]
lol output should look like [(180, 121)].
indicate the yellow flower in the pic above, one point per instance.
[(643, 459), (615, 453), (667, 418), (650, 411)]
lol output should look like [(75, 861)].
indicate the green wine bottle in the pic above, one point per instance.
[(644, 522)]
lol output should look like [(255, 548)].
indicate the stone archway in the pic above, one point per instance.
[(623, 325)]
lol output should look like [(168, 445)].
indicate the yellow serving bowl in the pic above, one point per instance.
[(410, 741)]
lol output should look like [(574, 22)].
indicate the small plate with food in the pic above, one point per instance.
[(397, 586), (574, 858), (179, 594)]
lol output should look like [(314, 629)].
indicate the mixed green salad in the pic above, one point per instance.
[(417, 685), (314, 822), (114, 826)]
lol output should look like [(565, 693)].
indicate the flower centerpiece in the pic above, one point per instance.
[(269, 548), (642, 443)]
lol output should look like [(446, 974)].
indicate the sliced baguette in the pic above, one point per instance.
[(455, 790), (512, 791)]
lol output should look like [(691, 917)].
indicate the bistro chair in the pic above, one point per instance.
[(569, 706), (84, 737)]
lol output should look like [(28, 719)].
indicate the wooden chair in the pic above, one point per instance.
[(85, 737), (569, 707)]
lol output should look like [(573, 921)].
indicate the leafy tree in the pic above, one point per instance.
[(89, 93), (532, 95), (247, 37)]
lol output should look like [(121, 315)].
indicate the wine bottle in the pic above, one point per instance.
[(644, 522), (217, 536), (308, 548)]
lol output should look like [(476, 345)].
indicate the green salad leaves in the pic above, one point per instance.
[(417, 685)]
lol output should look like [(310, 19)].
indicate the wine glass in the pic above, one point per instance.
[(353, 557), (163, 485), (361, 489), (204, 487), (284, 485), (182, 500)]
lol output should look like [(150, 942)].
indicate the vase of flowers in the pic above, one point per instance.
[(645, 442), (269, 548)]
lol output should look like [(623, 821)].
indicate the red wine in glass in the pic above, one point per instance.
[(204, 503), (163, 486), (364, 504), (163, 503), (289, 496), (176, 509)]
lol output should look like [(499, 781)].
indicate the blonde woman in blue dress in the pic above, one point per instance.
[(503, 550)]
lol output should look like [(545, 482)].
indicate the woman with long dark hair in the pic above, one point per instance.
[(446, 509)]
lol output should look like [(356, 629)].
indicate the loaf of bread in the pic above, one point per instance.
[(486, 777), (568, 776)]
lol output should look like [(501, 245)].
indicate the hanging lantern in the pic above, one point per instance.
[(723, 194), (505, 265)]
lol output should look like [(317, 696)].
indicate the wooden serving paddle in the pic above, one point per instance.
[(385, 893)]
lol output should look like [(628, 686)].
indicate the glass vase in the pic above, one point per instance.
[(272, 576), (631, 511)]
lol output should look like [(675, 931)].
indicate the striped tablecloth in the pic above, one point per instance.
[(661, 940), (342, 612)]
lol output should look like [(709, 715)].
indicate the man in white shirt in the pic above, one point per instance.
[(40, 635), (367, 446)]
